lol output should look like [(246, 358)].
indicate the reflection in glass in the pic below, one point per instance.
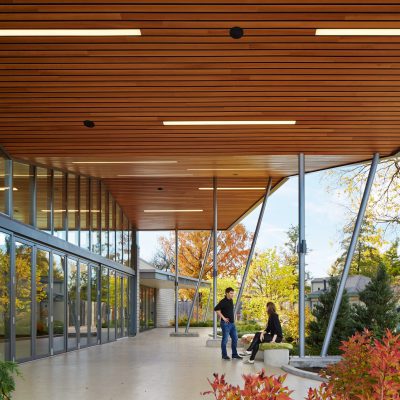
[(59, 205), (95, 216), (73, 209), (126, 240), (104, 305), (43, 199), (84, 305), (58, 303), (104, 221), (147, 308), (118, 291), (42, 303), (119, 236), (22, 182), (3, 184), (23, 301), (84, 212), (72, 309), (4, 295), (126, 305), (94, 287), (113, 308), (111, 224)]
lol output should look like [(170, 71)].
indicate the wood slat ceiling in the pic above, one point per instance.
[(344, 93)]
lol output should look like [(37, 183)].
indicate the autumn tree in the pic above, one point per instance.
[(233, 250)]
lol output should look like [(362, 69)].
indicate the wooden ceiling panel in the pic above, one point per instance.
[(344, 93)]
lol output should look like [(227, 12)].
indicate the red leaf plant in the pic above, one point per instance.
[(256, 387), (369, 370)]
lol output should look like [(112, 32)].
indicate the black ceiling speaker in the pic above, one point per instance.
[(236, 32), (88, 123)]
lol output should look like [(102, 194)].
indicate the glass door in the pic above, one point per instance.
[(5, 268), (94, 316), (41, 304), (113, 306), (104, 307), (58, 299), (72, 305), (23, 300), (125, 305), (83, 304)]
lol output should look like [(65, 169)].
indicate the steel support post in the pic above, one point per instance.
[(215, 267), (196, 293), (350, 254), (302, 249), (176, 281), (253, 246)]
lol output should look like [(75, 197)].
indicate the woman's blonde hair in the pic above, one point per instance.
[(271, 309)]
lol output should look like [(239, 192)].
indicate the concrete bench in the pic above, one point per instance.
[(276, 354)]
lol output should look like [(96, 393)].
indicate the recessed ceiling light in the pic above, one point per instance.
[(3, 189), (89, 124), (357, 32), (236, 32), (70, 32), (124, 162), (229, 123), (233, 188), (171, 211), (156, 175)]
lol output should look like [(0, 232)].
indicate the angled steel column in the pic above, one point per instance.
[(215, 267), (350, 254), (176, 281), (253, 246), (302, 249), (208, 306), (196, 293)]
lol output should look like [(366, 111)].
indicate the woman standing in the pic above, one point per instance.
[(271, 334)]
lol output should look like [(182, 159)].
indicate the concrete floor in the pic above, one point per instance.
[(150, 366)]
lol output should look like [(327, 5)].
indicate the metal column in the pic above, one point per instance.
[(253, 245), (350, 254), (176, 282), (215, 267), (302, 249), (196, 293)]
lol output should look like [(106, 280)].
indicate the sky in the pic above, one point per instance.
[(325, 218)]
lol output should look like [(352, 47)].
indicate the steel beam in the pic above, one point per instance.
[(196, 293), (302, 250), (350, 254), (215, 267), (253, 245)]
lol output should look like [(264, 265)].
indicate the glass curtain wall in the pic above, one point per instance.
[(104, 221), (113, 306), (95, 213), (73, 208), (125, 303), (22, 194), (104, 304), (4, 188), (83, 304), (60, 205), (94, 311), (73, 303), (44, 205), (84, 211), (5, 265), (147, 307), (58, 298)]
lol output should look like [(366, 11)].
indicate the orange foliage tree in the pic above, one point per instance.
[(233, 250)]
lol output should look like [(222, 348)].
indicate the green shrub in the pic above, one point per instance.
[(7, 382), (58, 327)]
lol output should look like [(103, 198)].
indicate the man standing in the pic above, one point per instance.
[(225, 311)]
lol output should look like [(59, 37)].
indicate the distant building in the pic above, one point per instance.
[(354, 285)]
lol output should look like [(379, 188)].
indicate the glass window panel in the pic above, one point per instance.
[(42, 302), (111, 236), (59, 206), (22, 181), (119, 236), (84, 212), (3, 185), (84, 304), (73, 209), (104, 221), (104, 305), (118, 291), (126, 305), (58, 303), (95, 216), (93, 304), (113, 306), (23, 300), (43, 199), (4, 295), (72, 313), (130, 246), (126, 240)]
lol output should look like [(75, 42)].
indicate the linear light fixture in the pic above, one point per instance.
[(357, 32), (155, 175), (229, 123), (233, 188), (171, 211), (225, 169), (3, 189), (60, 211), (124, 162), (70, 32)]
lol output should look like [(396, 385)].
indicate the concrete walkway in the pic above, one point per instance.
[(150, 366)]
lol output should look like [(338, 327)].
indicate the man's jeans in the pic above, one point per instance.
[(228, 329)]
